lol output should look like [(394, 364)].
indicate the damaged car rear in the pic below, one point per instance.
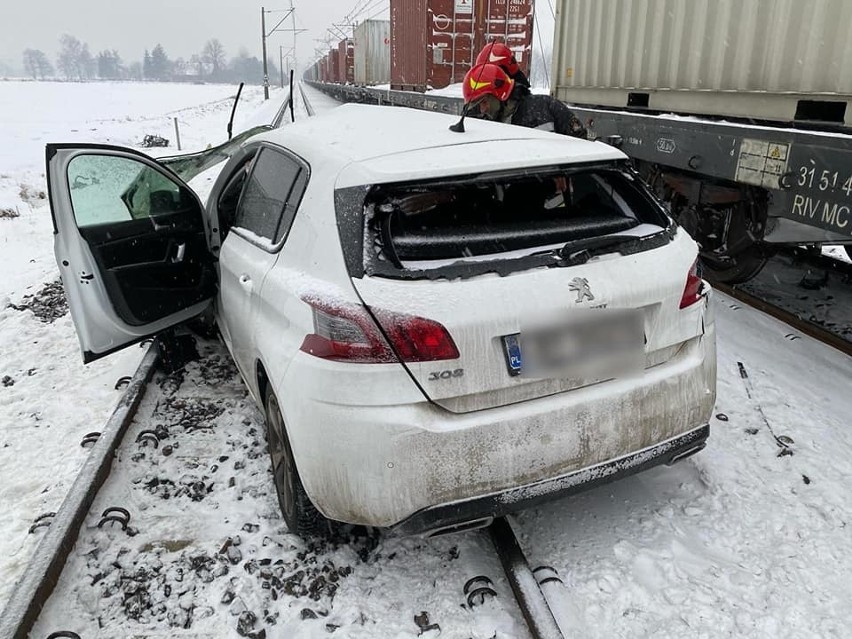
[(441, 328)]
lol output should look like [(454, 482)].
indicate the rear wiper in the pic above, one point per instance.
[(581, 251)]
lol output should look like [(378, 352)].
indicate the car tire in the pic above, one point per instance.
[(299, 513)]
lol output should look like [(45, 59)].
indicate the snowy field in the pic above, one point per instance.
[(48, 399), (734, 542)]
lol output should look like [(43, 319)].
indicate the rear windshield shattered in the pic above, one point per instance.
[(427, 226)]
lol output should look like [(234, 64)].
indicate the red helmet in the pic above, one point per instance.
[(487, 79), (501, 55)]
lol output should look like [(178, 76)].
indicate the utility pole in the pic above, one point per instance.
[(264, 36), (265, 69)]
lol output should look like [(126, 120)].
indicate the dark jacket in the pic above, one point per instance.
[(538, 111)]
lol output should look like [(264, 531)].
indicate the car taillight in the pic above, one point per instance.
[(416, 339), (692, 291), (347, 333)]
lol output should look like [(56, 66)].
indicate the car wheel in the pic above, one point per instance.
[(299, 513)]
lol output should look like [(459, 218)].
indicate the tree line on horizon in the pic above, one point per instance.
[(75, 62)]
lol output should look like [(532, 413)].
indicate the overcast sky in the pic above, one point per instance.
[(181, 26)]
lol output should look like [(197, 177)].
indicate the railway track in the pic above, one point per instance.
[(306, 103), (185, 533), (808, 292)]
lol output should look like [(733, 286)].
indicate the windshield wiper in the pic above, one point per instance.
[(581, 251)]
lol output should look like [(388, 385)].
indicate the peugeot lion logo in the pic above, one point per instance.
[(580, 285)]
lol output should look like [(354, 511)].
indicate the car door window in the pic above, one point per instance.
[(271, 197), (108, 189)]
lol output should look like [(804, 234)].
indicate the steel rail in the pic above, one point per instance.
[(305, 102), (807, 259), (536, 610), (804, 326), (42, 573)]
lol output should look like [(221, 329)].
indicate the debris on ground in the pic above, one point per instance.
[(48, 305), (151, 141)]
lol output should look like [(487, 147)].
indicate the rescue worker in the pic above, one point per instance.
[(501, 55), (489, 95)]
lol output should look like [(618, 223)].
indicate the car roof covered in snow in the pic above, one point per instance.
[(374, 144)]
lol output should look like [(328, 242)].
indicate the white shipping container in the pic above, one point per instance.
[(372, 52), (765, 59)]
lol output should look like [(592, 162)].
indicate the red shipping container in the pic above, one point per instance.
[(323, 64), (434, 42), (346, 54), (334, 66)]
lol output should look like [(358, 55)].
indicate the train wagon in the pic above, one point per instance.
[(739, 113)]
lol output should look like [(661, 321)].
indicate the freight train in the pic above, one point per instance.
[(737, 112)]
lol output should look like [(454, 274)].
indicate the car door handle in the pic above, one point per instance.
[(180, 253), (245, 282)]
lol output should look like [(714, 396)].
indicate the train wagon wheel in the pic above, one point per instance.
[(734, 270)]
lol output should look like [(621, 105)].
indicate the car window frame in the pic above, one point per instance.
[(247, 234)]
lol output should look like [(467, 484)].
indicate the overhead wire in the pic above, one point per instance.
[(542, 53), (378, 13), (377, 7)]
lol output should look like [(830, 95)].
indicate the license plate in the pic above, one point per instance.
[(512, 348), (603, 345)]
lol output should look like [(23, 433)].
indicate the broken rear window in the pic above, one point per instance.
[(462, 227)]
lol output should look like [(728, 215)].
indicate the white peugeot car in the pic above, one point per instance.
[(441, 327)]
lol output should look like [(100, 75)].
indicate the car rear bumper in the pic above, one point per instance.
[(481, 511), (409, 464)]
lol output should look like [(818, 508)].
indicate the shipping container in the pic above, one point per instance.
[(323, 68), (333, 66), (779, 60), (372, 52), (435, 42), (346, 53)]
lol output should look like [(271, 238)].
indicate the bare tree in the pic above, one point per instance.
[(88, 64), (43, 65), (30, 64), (71, 58), (214, 54)]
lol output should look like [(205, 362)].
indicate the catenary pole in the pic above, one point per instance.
[(265, 68)]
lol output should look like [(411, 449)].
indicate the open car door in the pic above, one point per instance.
[(130, 242)]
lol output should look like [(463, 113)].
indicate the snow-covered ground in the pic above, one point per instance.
[(736, 541), (48, 399)]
